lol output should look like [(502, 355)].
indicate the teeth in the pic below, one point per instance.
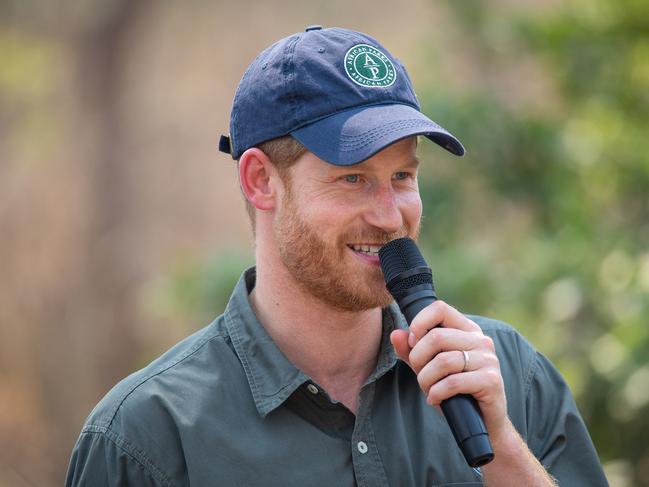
[(366, 249)]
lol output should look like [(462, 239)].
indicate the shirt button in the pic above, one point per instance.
[(362, 447), (312, 389)]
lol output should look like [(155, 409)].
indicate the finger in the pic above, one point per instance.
[(443, 365), (440, 340), (453, 362), (399, 339), (486, 385), (440, 313)]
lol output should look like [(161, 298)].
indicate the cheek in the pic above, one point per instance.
[(411, 206), (331, 208), (327, 219)]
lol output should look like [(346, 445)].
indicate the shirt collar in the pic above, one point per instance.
[(271, 376)]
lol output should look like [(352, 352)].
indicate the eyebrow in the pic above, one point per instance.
[(415, 162), (411, 164)]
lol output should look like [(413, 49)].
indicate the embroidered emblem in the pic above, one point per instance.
[(367, 66)]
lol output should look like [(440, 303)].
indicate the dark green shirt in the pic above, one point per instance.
[(225, 407)]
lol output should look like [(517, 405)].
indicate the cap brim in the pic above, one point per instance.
[(354, 135)]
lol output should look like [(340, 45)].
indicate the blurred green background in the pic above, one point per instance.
[(122, 229)]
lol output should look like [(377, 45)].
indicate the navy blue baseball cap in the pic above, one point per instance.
[(340, 93)]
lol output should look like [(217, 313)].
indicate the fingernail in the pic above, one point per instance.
[(411, 339)]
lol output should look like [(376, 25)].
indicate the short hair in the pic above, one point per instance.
[(283, 152)]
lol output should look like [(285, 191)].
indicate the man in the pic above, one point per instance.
[(311, 377)]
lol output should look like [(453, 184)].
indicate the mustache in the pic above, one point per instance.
[(376, 236)]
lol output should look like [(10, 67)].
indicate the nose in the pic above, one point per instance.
[(383, 210)]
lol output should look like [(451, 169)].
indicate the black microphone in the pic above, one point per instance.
[(410, 281)]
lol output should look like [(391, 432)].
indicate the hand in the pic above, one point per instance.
[(434, 353)]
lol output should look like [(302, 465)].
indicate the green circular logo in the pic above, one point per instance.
[(367, 66)]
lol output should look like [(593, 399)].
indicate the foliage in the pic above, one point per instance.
[(193, 290), (545, 223)]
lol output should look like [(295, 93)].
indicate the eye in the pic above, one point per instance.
[(352, 178), (401, 175)]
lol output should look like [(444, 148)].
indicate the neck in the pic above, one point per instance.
[(336, 348)]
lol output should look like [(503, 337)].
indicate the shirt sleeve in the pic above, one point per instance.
[(557, 434), (100, 459)]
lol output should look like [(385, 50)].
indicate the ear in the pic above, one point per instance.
[(257, 178)]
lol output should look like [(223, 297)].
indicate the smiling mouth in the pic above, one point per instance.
[(367, 249)]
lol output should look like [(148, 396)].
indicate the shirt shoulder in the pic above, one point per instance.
[(164, 373), (147, 416), (541, 407)]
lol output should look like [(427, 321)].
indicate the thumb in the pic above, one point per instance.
[(399, 339)]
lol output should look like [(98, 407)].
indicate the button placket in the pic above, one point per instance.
[(368, 468)]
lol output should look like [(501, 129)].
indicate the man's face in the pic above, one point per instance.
[(332, 221)]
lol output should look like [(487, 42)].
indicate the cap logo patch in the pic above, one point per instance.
[(367, 66)]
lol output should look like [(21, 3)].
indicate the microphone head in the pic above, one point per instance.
[(400, 255), (397, 257)]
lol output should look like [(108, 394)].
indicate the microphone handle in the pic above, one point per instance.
[(462, 412)]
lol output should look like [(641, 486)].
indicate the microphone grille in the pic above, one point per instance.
[(409, 282), (400, 255)]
